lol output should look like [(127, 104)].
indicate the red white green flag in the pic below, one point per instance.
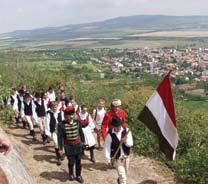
[(159, 116)]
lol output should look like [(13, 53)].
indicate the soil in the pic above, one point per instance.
[(41, 161)]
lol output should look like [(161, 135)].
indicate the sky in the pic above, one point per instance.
[(30, 14)]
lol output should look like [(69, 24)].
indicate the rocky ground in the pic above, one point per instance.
[(41, 161)]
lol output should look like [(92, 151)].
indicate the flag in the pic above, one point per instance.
[(159, 116)]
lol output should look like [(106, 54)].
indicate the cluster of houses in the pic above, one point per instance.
[(185, 62)]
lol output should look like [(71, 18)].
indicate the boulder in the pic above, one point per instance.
[(13, 169)]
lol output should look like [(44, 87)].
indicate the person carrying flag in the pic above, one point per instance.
[(117, 148)]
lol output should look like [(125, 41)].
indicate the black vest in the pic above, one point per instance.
[(19, 103), (11, 100), (28, 109), (52, 123), (115, 143), (40, 109)]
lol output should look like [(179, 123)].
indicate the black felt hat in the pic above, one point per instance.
[(116, 121)]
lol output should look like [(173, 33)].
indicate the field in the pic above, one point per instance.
[(176, 33)]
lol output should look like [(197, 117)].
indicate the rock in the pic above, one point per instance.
[(13, 168)]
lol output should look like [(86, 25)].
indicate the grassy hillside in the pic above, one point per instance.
[(40, 69)]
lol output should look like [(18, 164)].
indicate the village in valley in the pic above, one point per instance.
[(188, 65)]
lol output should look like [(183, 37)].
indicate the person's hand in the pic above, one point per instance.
[(110, 166), (124, 140), (4, 146), (61, 152), (50, 138)]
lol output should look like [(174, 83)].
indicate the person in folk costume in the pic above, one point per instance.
[(63, 101), (72, 102), (28, 113), (20, 99), (98, 115), (115, 110), (24, 89), (70, 136), (13, 101), (87, 127), (46, 100), (53, 117), (120, 160), (41, 113), (51, 94)]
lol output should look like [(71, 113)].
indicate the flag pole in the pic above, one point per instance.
[(170, 72), (120, 144)]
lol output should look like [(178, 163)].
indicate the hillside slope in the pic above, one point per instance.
[(42, 164)]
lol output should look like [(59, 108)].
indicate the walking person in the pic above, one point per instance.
[(115, 110), (87, 127), (13, 101), (70, 137), (41, 113), (117, 149), (53, 117), (51, 94), (98, 115), (28, 113), (63, 101)]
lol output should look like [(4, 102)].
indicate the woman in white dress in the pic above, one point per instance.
[(87, 127)]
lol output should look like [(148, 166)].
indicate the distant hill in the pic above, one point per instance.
[(120, 24)]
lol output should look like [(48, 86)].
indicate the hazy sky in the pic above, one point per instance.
[(28, 14)]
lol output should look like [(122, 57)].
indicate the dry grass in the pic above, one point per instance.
[(180, 33)]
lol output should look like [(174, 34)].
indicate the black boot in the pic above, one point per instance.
[(92, 158), (45, 139), (24, 124), (58, 156), (78, 172), (80, 179), (17, 120), (71, 173), (32, 132)]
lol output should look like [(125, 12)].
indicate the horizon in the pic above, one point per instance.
[(35, 14), (45, 27)]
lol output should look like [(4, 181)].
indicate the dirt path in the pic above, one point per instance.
[(41, 161)]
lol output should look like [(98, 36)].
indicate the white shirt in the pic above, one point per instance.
[(108, 141), (15, 104), (99, 116), (48, 119), (51, 96)]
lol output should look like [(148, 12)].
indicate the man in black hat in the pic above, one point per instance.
[(117, 148), (70, 136)]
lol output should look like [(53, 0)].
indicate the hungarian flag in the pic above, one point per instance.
[(159, 116)]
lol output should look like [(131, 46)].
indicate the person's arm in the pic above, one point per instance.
[(107, 150), (122, 115), (81, 134), (91, 123), (22, 110), (47, 125), (4, 146), (104, 126), (128, 141), (9, 100), (60, 136)]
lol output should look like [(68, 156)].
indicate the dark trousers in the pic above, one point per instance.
[(75, 159)]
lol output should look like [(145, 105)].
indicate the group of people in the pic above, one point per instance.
[(71, 128)]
